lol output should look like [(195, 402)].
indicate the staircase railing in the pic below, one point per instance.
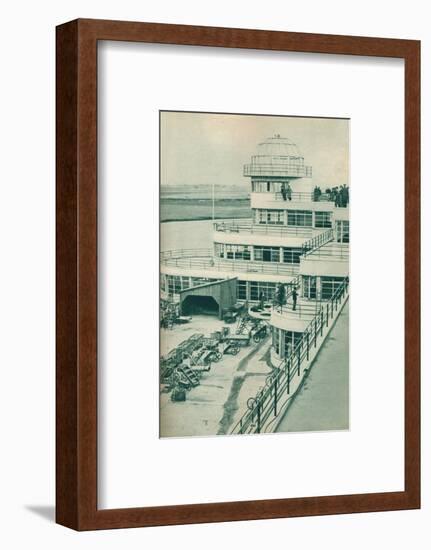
[(317, 241)]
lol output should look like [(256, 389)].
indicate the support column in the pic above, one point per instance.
[(318, 288)]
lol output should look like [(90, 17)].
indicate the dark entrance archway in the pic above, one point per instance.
[(209, 298), (199, 305)]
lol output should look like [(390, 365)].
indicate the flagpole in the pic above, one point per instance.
[(213, 202)]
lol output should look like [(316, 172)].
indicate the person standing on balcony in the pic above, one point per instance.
[(280, 296), (334, 192), (344, 201), (261, 299), (283, 191), (316, 194), (294, 298), (289, 191)]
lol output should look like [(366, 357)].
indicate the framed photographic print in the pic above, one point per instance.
[(238, 279)]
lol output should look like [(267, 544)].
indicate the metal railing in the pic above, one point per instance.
[(334, 252), (297, 196), (294, 195), (317, 241), (281, 169), (305, 309), (263, 229), (265, 404), (185, 253), (300, 196), (187, 259)]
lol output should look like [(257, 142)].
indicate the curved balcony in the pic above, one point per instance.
[(203, 260), (296, 320), (282, 170), (264, 229)]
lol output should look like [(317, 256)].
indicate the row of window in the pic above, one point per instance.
[(295, 218), (256, 289), (237, 252), (232, 251), (320, 287), (269, 217), (259, 186), (300, 218), (260, 253), (176, 283), (264, 186), (267, 253), (312, 287)]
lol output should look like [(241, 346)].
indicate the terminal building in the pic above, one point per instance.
[(297, 236)]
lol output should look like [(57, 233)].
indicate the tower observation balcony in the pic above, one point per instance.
[(280, 170), (277, 157)]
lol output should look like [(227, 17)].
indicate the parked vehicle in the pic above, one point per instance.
[(231, 347)]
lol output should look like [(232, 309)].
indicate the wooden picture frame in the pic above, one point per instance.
[(76, 374)]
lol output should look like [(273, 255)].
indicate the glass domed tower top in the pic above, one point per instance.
[(277, 157)]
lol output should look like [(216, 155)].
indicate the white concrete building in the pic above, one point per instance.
[(296, 236)]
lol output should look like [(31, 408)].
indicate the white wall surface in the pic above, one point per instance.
[(27, 278)]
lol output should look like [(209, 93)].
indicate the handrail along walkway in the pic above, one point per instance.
[(265, 403)]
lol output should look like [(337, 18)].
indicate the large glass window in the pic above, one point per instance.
[(276, 340), (174, 284), (219, 250), (302, 218), (275, 217), (270, 217), (268, 289), (257, 186), (265, 186), (309, 287), (262, 216), (285, 341), (291, 255), (242, 290), (323, 219), (329, 286), (342, 231), (266, 254), (291, 340), (237, 252)]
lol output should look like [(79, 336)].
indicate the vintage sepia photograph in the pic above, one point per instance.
[(254, 274)]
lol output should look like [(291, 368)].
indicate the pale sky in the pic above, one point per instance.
[(201, 148)]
